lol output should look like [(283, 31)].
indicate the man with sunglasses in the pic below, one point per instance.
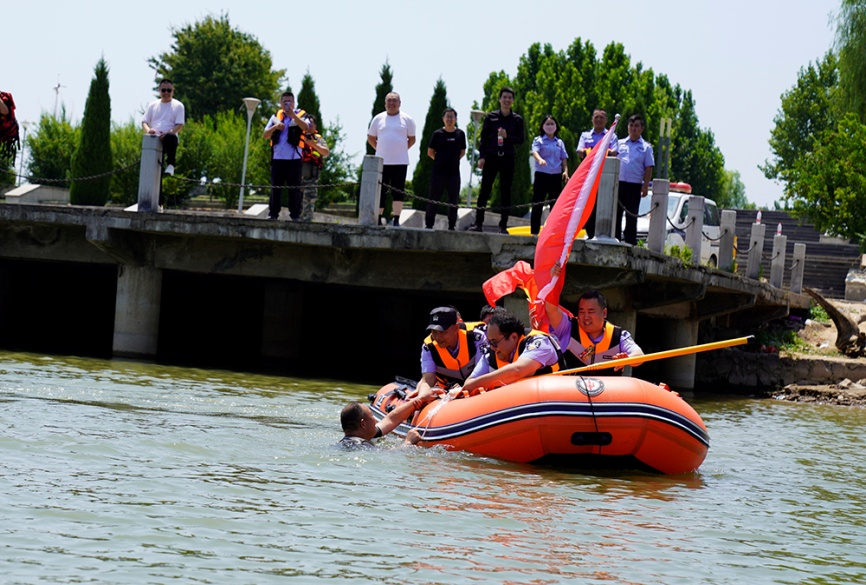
[(513, 352), (164, 118)]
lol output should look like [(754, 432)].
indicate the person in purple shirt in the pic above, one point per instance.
[(587, 142), (635, 172), (551, 169), (513, 353)]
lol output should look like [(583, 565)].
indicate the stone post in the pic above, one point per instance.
[(726, 244), (371, 184), (798, 268), (658, 223), (136, 311), (695, 227), (777, 264), (606, 201), (150, 173), (756, 250)]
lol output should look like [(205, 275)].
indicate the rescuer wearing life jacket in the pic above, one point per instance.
[(513, 352), (590, 338), (285, 131), (313, 152), (450, 352)]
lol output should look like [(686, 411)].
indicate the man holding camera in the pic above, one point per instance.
[(285, 131)]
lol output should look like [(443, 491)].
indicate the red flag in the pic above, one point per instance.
[(568, 216)]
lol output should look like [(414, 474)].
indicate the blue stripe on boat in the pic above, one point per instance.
[(547, 409)]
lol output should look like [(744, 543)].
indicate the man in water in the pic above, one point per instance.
[(360, 426)]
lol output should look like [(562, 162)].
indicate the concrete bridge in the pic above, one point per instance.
[(346, 301)]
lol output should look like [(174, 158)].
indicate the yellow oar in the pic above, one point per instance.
[(639, 359)]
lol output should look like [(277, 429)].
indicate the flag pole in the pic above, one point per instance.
[(640, 359)]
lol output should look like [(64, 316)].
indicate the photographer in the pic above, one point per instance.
[(284, 130)]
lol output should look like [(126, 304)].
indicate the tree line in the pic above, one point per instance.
[(568, 83), (819, 137)]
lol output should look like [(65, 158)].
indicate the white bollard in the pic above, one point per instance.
[(658, 224), (695, 229), (371, 184), (798, 268), (726, 244), (606, 201), (756, 250), (149, 173), (777, 264)]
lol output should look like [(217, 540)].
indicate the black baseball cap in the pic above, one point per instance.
[(441, 318)]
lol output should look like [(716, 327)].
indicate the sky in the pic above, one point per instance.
[(738, 57)]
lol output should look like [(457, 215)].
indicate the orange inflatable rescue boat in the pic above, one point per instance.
[(574, 421)]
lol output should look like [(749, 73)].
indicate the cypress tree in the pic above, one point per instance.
[(421, 176), (384, 87), (93, 154), (308, 100)]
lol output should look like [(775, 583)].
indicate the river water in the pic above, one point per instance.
[(122, 472)]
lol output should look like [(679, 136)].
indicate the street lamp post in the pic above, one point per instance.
[(251, 104), (477, 116), (24, 125)]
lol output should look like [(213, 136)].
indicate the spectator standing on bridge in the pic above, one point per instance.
[(635, 172), (165, 118), (501, 132), (314, 150), (447, 146), (585, 144), (284, 130), (590, 338), (392, 134), (9, 140), (551, 169)]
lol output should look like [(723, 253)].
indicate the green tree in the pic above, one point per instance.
[(433, 121), (309, 100), (827, 185), (851, 47), (50, 149), (92, 157), (808, 110), (214, 65), (695, 159), (125, 151), (337, 169), (383, 88), (733, 193)]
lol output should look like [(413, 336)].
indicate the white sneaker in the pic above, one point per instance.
[(169, 170)]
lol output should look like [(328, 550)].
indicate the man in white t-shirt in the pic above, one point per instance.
[(165, 117), (392, 134)]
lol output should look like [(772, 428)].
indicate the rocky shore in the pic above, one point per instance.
[(815, 373)]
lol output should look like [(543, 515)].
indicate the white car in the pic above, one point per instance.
[(678, 211)]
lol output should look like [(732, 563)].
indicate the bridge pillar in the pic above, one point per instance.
[(136, 311), (777, 264), (282, 320), (517, 305), (149, 173), (606, 201), (679, 372), (726, 244), (371, 184)]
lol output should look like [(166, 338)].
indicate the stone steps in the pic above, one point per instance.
[(827, 262)]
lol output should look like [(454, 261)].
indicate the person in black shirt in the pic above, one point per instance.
[(447, 146), (501, 132)]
